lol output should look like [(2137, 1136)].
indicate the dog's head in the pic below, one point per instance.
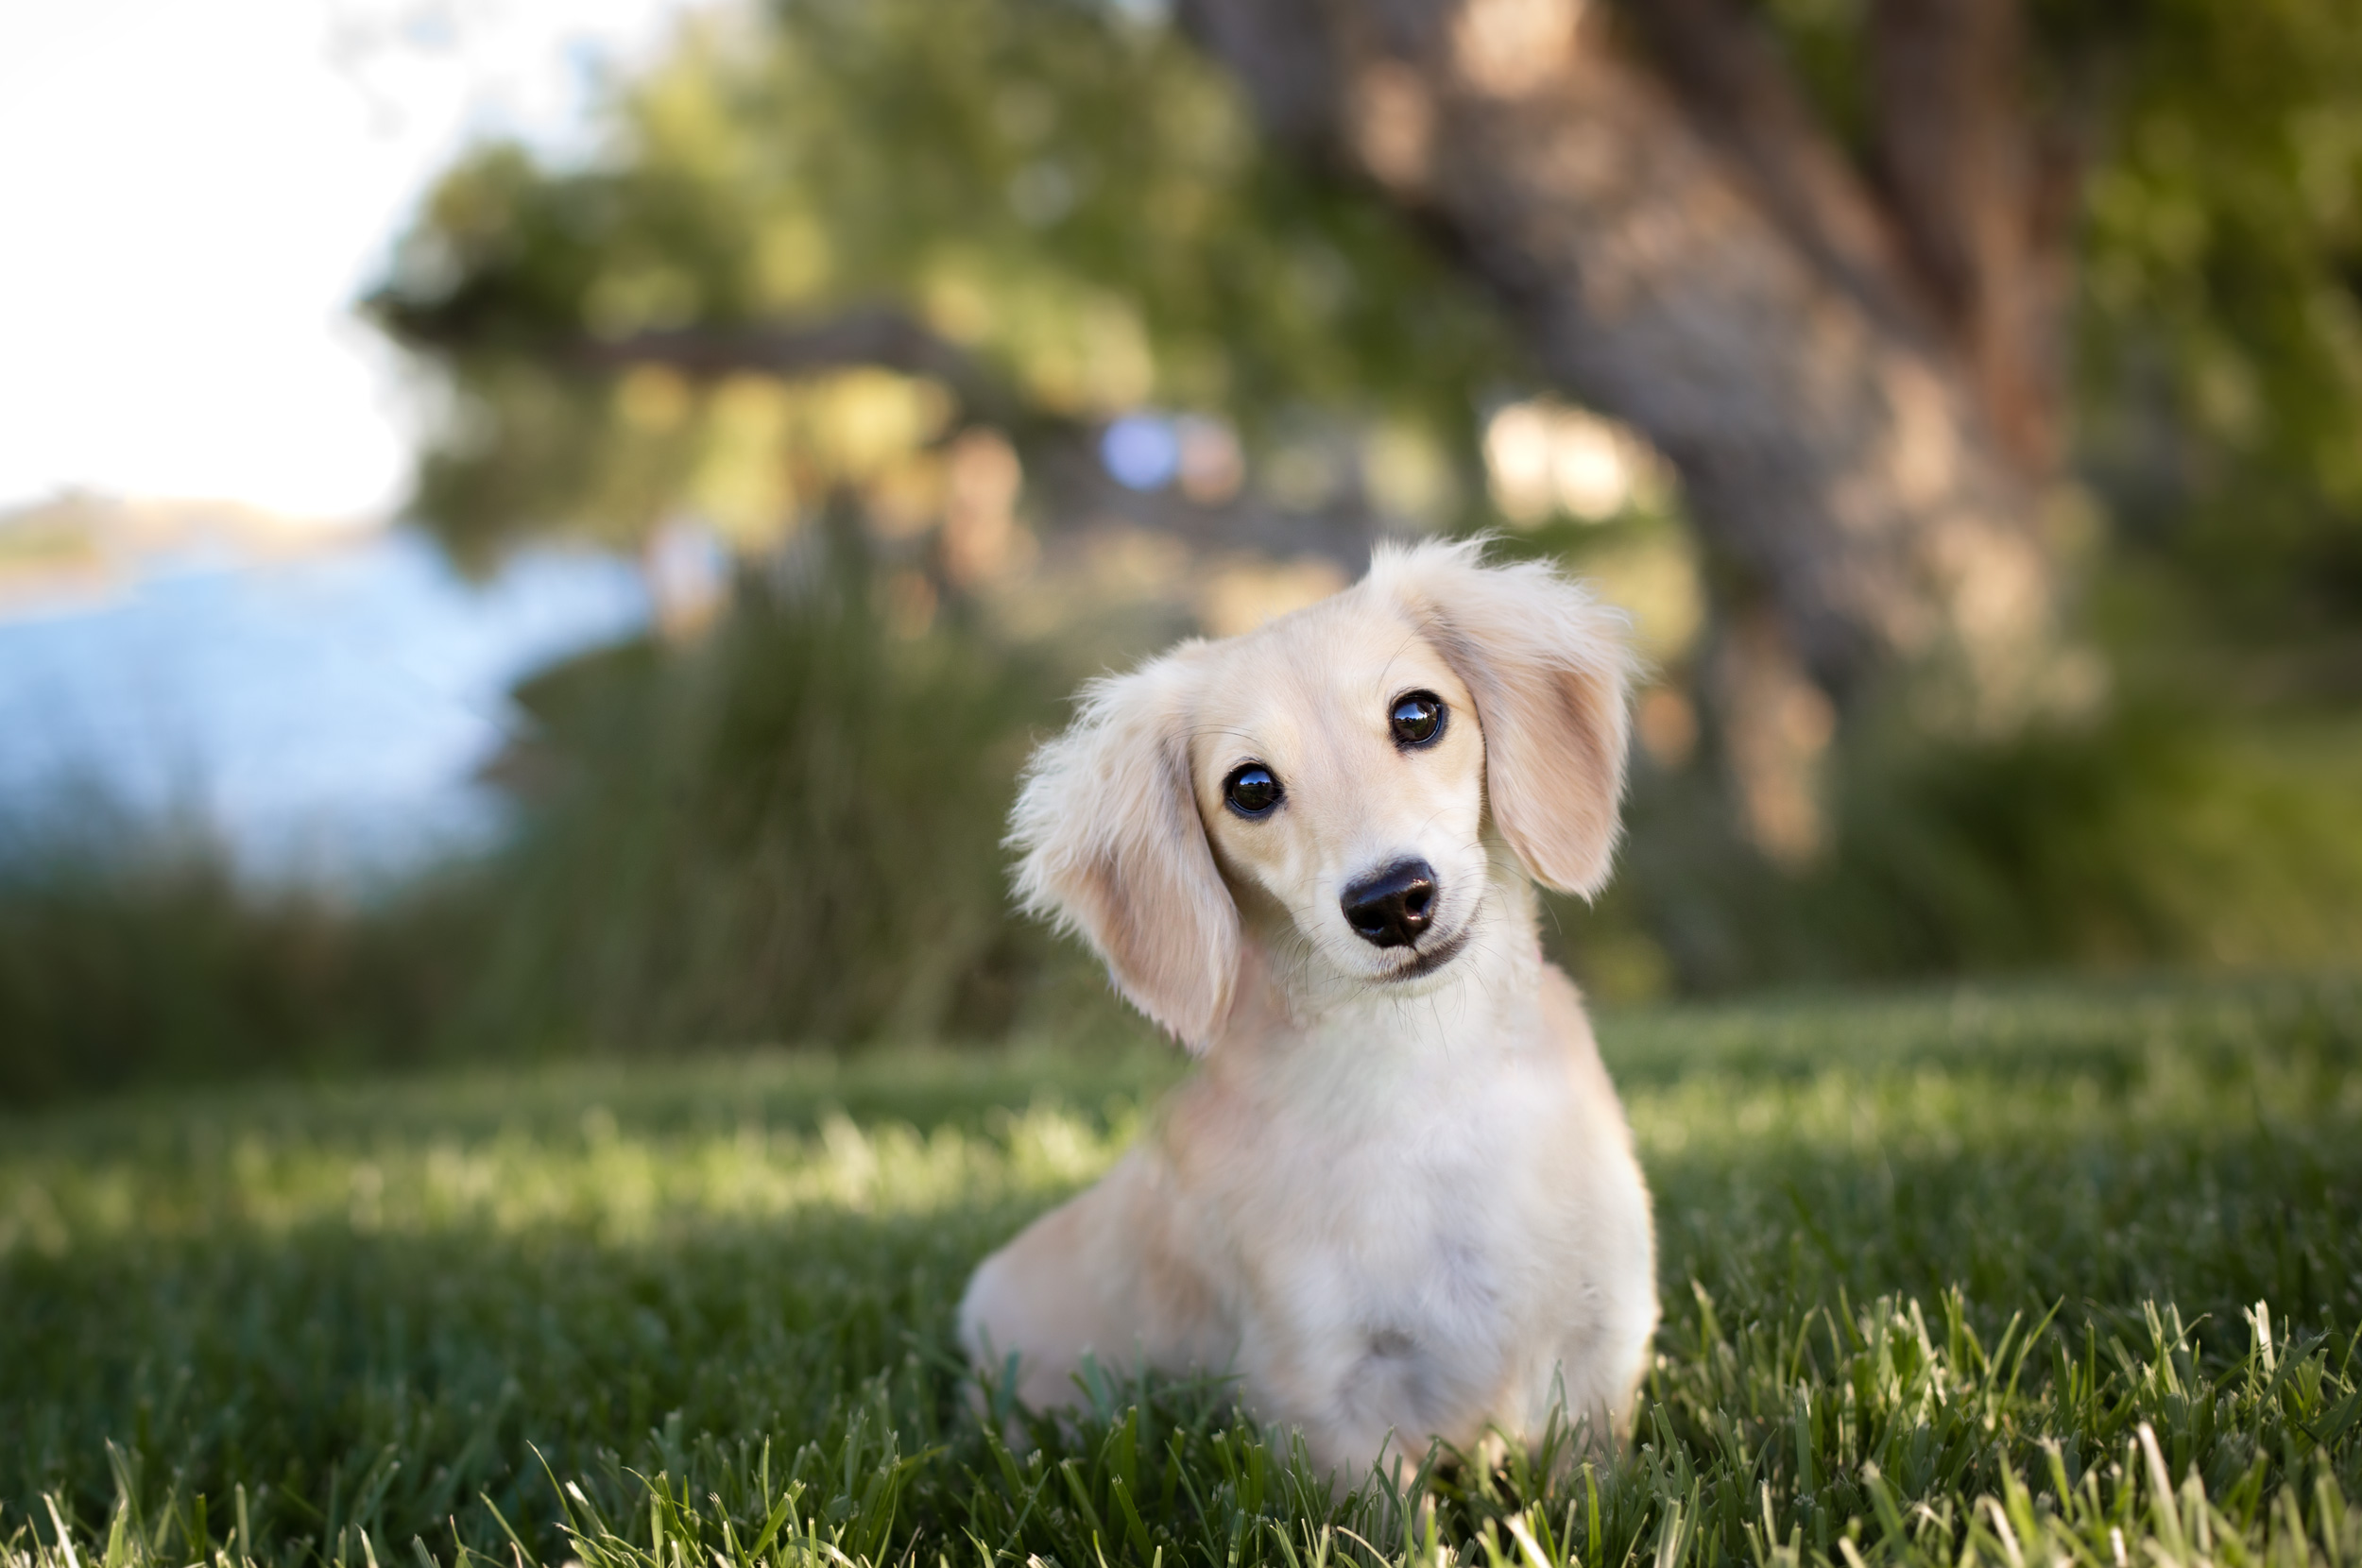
[(1337, 770)]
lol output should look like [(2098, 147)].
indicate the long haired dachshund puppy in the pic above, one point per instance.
[(1400, 1200)]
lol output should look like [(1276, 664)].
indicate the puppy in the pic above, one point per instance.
[(1399, 1200)]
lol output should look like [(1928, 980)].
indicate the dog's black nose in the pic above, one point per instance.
[(1390, 908)]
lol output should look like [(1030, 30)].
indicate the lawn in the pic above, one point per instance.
[(2050, 1274)]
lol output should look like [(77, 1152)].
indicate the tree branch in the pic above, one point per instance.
[(1062, 453), (1956, 158), (1738, 91), (872, 335), (1280, 52)]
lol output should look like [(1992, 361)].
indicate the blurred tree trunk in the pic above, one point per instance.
[(1854, 373)]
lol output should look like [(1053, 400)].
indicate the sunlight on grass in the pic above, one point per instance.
[(614, 1154), (2068, 1274), (616, 1187)]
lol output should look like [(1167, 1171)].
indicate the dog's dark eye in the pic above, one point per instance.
[(1252, 790), (1417, 718)]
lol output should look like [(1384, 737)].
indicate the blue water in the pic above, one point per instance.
[(324, 717)]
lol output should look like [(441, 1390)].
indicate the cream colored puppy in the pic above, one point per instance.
[(1400, 1198)]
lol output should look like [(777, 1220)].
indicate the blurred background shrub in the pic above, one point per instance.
[(139, 954), (790, 831), (932, 357)]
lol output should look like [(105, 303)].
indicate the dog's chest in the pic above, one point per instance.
[(1411, 1246)]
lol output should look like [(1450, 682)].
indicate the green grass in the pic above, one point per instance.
[(1947, 1276)]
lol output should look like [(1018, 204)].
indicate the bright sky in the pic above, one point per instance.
[(190, 197)]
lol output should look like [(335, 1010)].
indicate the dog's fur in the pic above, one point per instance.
[(1400, 1198)]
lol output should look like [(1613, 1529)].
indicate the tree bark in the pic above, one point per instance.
[(1847, 384)]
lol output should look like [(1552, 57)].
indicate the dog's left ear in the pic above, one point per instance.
[(1113, 848), (1551, 671)]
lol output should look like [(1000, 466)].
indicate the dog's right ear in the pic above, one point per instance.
[(1549, 670), (1107, 821)]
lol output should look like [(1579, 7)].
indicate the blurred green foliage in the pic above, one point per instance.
[(2210, 154), (1066, 190), (131, 954), (790, 831), (1067, 193), (2150, 837), (2223, 281)]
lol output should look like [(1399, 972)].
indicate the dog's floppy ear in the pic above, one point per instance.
[(1113, 848), (1549, 670)]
